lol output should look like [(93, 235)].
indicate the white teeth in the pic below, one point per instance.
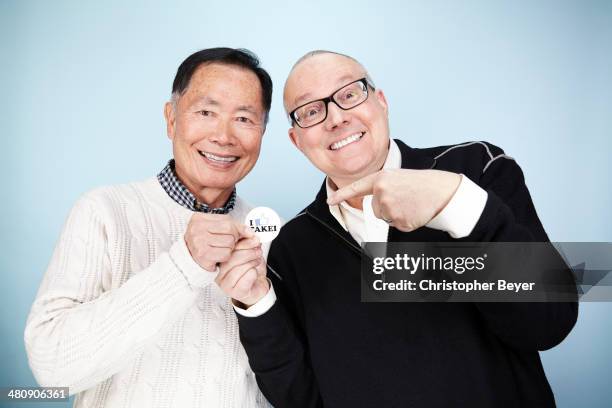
[(213, 157), (341, 143)]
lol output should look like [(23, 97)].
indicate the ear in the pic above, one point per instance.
[(294, 138), (380, 97), (170, 116)]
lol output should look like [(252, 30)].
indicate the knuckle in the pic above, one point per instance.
[(385, 202), (379, 184), (230, 241), (384, 183), (262, 270)]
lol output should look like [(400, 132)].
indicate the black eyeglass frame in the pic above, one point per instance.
[(330, 98)]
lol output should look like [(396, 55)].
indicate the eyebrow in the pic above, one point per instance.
[(306, 96), (247, 108), (209, 101)]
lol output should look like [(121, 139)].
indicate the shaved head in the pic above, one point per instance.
[(319, 52), (307, 58)]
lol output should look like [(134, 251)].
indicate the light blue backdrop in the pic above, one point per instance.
[(84, 84)]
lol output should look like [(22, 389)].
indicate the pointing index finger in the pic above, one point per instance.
[(359, 188)]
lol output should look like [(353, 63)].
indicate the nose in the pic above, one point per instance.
[(336, 116), (223, 135)]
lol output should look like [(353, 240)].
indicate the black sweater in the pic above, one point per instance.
[(319, 345)]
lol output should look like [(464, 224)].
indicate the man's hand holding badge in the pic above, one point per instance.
[(404, 198), (211, 238), (242, 274)]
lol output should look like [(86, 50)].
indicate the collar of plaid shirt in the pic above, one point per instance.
[(179, 193)]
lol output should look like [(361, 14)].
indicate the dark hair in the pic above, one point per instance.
[(232, 56)]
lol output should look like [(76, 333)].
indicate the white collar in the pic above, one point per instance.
[(393, 161)]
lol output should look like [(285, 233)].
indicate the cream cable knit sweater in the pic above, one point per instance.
[(126, 318)]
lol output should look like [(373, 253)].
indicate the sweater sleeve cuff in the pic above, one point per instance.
[(262, 306), (195, 275), (463, 211)]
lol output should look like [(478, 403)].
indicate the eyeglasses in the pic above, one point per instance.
[(347, 97)]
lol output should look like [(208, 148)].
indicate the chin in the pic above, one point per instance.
[(353, 168), (221, 184)]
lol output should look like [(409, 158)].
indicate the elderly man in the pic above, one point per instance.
[(129, 314), (310, 340)]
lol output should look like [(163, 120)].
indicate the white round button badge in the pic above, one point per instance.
[(264, 222)]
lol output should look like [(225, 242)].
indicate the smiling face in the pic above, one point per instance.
[(349, 144), (216, 127)]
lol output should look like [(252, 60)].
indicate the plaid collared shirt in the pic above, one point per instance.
[(179, 193)]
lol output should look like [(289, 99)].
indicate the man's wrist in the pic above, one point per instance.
[(462, 212), (195, 275), (260, 307), (250, 302)]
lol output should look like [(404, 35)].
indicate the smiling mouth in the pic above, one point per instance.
[(218, 159), (346, 141)]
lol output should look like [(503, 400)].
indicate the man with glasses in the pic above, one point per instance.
[(310, 340)]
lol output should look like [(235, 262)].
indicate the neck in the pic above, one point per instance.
[(213, 197), (356, 203), (339, 182)]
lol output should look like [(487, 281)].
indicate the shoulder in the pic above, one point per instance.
[(105, 201), (473, 158), (482, 150)]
